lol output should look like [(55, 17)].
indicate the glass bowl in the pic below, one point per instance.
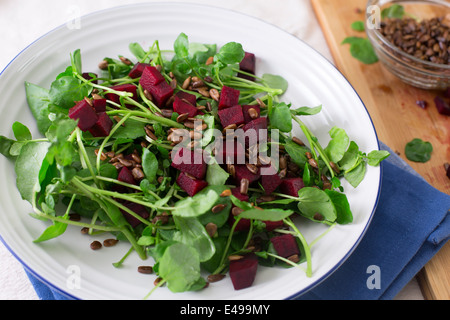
[(412, 70)]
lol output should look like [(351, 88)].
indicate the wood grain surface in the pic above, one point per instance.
[(396, 117)]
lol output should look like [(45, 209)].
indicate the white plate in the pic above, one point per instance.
[(312, 81)]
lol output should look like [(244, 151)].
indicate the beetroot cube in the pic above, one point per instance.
[(232, 115), (270, 182), (136, 208), (150, 77), (272, 225), (191, 186), (229, 97), (291, 186), (102, 127), (126, 176), (191, 162), (90, 76), (160, 93), (242, 225), (224, 154), (84, 113), (285, 245), (242, 172), (181, 106), (248, 63), (243, 271), (137, 70), (247, 117), (192, 99), (237, 193), (442, 106), (126, 88), (99, 105), (257, 126)]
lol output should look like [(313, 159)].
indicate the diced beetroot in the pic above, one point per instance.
[(192, 99), (270, 182), (137, 70), (285, 245), (102, 127), (237, 193), (150, 77), (291, 186), (232, 115), (243, 271), (84, 113), (257, 125), (89, 76), (247, 117), (442, 106), (272, 225), (242, 172), (248, 64), (161, 93), (232, 155), (126, 176), (191, 186), (99, 105), (191, 162), (136, 208), (126, 88), (181, 106), (229, 97), (242, 225)]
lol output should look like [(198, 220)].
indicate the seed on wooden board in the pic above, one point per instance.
[(145, 269), (95, 245), (110, 242), (215, 277)]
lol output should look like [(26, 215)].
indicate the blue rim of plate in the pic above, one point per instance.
[(304, 290)]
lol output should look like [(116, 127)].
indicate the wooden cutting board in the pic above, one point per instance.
[(396, 116)]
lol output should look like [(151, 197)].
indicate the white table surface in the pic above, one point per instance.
[(23, 21)]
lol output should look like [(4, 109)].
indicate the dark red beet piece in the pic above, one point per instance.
[(161, 93), (126, 88), (237, 193), (270, 182), (191, 186), (126, 176), (99, 105), (256, 125), (272, 225), (232, 115), (181, 106), (84, 113), (188, 96), (103, 126), (442, 106), (247, 117), (242, 172), (136, 208), (89, 76), (248, 64), (242, 225), (229, 97), (243, 271), (137, 70), (150, 77), (191, 162), (285, 245), (234, 155), (291, 186)]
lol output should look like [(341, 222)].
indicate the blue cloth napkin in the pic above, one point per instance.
[(411, 223)]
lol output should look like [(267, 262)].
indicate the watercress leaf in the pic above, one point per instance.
[(356, 175), (350, 158), (361, 49), (117, 69), (418, 150), (307, 111), (150, 164), (216, 175), (275, 81), (199, 203), (296, 152), (214, 262), (230, 53), (75, 59), (137, 50), (266, 214), (340, 201), (192, 233), (21, 131), (38, 102), (338, 144), (358, 26), (66, 90), (53, 231), (132, 130), (241, 204), (313, 201), (281, 118), (179, 267), (376, 156), (394, 11), (218, 218), (27, 167), (5, 146), (181, 46)]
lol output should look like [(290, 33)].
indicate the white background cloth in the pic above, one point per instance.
[(23, 21)]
